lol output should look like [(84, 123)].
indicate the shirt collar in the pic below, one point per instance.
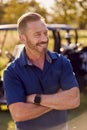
[(50, 56)]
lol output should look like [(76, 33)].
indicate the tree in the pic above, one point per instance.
[(1, 12), (14, 9), (82, 18), (64, 10), (70, 12)]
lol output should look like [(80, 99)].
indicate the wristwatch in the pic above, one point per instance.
[(37, 99)]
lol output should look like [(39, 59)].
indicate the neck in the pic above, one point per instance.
[(36, 58)]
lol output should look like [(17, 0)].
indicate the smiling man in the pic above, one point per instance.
[(40, 85)]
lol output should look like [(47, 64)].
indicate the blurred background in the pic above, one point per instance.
[(65, 13)]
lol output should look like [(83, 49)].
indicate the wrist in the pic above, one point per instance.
[(30, 98), (37, 99)]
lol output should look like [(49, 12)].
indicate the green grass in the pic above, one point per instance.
[(81, 109), (77, 118), (6, 122)]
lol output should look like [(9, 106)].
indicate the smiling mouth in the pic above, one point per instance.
[(42, 44)]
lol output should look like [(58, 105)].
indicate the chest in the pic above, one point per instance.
[(36, 81)]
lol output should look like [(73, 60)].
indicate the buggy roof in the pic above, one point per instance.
[(60, 27), (8, 27), (52, 27)]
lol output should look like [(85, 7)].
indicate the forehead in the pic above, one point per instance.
[(36, 26)]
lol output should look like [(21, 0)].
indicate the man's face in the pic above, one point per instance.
[(36, 36)]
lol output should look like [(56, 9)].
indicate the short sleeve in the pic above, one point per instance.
[(13, 87), (68, 79)]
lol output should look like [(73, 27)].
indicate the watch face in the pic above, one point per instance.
[(37, 99)]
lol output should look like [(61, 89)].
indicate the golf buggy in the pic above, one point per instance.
[(4, 29), (74, 51)]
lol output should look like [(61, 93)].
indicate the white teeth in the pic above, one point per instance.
[(43, 45)]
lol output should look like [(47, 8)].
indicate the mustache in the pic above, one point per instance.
[(40, 43)]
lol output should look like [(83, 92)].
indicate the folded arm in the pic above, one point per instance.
[(26, 111), (63, 100)]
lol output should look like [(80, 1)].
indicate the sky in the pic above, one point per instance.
[(46, 3)]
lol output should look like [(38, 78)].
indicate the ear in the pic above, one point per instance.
[(22, 38)]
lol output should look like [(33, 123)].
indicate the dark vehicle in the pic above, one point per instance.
[(74, 51)]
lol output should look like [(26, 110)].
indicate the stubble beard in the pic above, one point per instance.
[(34, 48)]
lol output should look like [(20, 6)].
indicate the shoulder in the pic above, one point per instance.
[(12, 67), (17, 62), (60, 61), (55, 55)]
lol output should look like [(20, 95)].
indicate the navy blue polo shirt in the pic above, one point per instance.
[(22, 78)]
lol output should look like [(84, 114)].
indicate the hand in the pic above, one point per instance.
[(30, 98)]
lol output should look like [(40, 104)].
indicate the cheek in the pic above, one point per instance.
[(36, 40), (32, 40)]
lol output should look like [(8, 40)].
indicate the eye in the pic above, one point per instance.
[(46, 33), (37, 34)]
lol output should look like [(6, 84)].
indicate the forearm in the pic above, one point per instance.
[(27, 111), (68, 99), (61, 100)]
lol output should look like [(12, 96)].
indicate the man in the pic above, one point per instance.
[(40, 85)]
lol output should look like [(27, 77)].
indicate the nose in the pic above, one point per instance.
[(44, 38)]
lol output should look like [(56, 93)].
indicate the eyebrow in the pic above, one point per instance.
[(41, 31)]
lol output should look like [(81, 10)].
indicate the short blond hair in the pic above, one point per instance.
[(27, 17)]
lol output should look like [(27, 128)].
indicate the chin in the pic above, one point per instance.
[(44, 50)]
